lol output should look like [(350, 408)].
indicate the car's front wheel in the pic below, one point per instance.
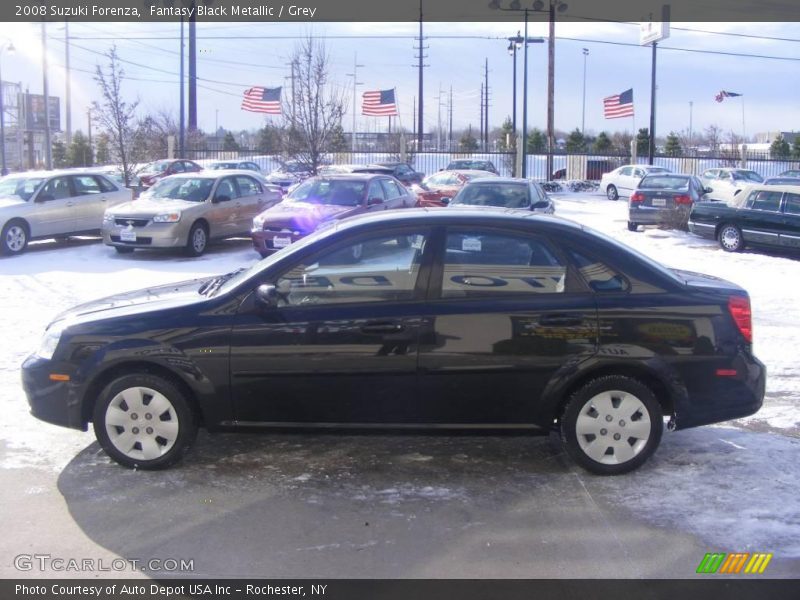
[(144, 421), (612, 193), (198, 240), (14, 238), (633, 226), (730, 238), (612, 424)]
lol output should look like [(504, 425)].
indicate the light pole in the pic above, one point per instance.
[(9, 47), (515, 7), (691, 104), (583, 112)]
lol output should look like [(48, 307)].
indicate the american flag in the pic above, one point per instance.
[(262, 100), (723, 94), (620, 105), (380, 103)]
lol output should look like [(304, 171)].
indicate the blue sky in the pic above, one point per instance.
[(770, 87)]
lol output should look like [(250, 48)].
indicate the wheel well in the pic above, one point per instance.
[(203, 223), (647, 378), (109, 375), (22, 222)]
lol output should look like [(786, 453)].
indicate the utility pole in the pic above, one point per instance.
[(439, 119), (294, 97), (583, 112), (414, 116), (356, 83), (486, 109), (450, 118), (421, 56), (182, 109), (651, 149), (68, 95), (192, 70), (89, 124), (481, 117), (691, 104), (551, 61), (48, 163)]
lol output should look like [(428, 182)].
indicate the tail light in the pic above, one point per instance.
[(637, 197), (683, 199), (739, 307)]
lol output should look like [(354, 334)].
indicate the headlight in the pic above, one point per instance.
[(108, 218), (172, 217), (50, 340), (258, 222)]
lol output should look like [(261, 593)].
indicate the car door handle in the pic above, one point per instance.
[(561, 320), (69, 203), (382, 327)]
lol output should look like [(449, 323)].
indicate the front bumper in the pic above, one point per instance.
[(56, 402), (264, 242), (152, 235)]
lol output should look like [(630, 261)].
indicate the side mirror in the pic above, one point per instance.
[(445, 201), (267, 294), (221, 198), (540, 204), (374, 201), (707, 190)]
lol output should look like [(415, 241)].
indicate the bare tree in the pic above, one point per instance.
[(151, 136), (712, 136), (315, 112), (113, 114)]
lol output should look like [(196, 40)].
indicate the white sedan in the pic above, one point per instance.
[(625, 179)]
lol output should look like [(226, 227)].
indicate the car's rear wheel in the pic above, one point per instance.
[(730, 238), (612, 193), (123, 249), (14, 238), (612, 424), (633, 226), (197, 241), (144, 421)]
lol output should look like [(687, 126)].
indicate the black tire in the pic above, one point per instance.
[(14, 238), (633, 226), (730, 238), (197, 241), (612, 193), (609, 400), (154, 440), (123, 249)]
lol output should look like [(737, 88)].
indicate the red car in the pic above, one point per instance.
[(440, 188), (164, 168), (321, 200)]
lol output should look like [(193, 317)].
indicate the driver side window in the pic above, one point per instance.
[(377, 269), (376, 191), (56, 189)]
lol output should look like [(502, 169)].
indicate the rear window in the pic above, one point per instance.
[(664, 182), (494, 194)]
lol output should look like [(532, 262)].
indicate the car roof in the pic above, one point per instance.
[(741, 197), (488, 174), (512, 180), (55, 172), (215, 173)]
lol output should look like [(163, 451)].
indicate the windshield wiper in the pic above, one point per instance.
[(212, 285)]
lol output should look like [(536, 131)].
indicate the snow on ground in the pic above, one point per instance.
[(52, 277)]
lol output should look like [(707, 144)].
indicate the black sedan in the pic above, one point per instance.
[(402, 172), (504, 192), (442, 318), (760, 216), (664, 199)]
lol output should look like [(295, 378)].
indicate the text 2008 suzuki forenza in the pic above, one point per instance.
[(425, 317)]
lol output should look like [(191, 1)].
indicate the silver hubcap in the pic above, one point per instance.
[(730, 237), (611, 192), (613, 427), (15, 238), (199, 239), (142, 423)]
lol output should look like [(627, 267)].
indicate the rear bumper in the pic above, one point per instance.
[(724, 397), (656, 216)]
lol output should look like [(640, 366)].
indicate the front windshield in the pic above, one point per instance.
[(337, 192), (293, 168), (23, 187), (223, 166), (156, 167), (509, 195), (194, 189), (664, 182)]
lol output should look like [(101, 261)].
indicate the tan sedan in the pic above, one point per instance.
[(189, 210)]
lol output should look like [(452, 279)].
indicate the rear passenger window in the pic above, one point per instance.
[(792, 204), (763, 200), (85, 184), (599, 276), (390, 189), (248, 186), (482, 263), (105, 184)]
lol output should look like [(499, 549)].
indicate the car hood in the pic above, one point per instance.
[(10, 201), (305, 216), (174, 295), (145, 206)]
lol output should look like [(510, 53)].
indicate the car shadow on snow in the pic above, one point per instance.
[(409, 505)]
